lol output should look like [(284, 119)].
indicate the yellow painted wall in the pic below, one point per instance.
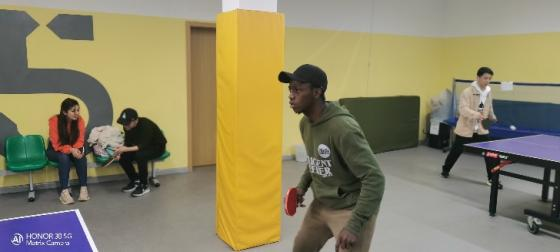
[(423, 66), (141, 61), (521, 58), (365, 65), (532, 58)]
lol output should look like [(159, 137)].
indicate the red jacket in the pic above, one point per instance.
[(55, 141)]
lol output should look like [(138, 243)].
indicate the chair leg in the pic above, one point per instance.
[(153, 180), (31, 194)]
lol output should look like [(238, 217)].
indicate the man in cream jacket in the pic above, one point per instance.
[(475, 105)]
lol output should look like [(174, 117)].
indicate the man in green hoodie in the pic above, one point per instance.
[(342, 172)]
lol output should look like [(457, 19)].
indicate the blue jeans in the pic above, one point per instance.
[(64, 163)]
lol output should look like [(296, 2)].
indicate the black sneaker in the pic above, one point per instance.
[(131, 186), (445, 174), (140, 190)]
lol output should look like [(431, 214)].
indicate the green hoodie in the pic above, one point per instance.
[(342, 170)]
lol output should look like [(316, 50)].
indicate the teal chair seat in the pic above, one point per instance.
[(25, 166), (52, 164), (163, 156), (101, 159), (25, 153)]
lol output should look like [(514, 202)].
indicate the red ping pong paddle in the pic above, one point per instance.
[(501, 166), (290, 202)]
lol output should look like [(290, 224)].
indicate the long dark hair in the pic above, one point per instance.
[(63, 134)]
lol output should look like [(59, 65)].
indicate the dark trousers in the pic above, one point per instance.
[(457, 149), (65, 161), (141, 157)]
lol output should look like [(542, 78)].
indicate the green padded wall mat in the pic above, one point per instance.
[(389, 123)]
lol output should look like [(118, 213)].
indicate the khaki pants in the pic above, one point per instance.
[(322, 223)]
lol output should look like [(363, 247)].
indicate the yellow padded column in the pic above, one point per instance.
[(250, 53)]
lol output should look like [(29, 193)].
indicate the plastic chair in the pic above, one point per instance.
[(153, 180), (26, 154)]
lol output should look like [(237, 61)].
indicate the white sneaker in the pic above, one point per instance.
[(65, 197), (84, 195)]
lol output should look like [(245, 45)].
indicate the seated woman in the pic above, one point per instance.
[(66, 146)]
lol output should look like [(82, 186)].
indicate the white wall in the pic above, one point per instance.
[(406, 17), (204, 10), (352, 15), (492, 17), (410, 17)]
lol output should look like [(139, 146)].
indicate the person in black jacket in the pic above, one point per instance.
[(143, 141)]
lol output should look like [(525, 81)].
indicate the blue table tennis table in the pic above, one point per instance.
[(538, 150)]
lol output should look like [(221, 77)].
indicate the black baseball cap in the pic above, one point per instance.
[(306, 73), (127, 115)]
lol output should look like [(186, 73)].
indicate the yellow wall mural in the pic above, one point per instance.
[(107, 62)]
